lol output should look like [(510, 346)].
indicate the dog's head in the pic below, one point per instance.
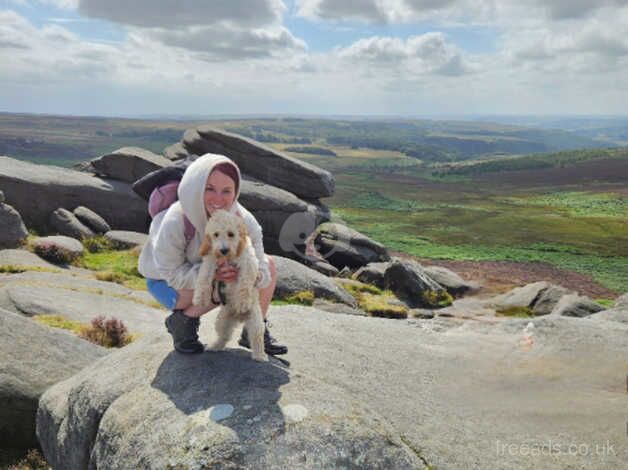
[(225, 236)]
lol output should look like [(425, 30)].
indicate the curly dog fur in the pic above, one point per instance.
[(226, 239)]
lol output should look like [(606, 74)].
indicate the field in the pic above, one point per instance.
[(566, 210)]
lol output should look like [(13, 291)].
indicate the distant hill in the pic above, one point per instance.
[(63, 140)]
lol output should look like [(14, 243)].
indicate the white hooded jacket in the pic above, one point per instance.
[(166, 254)]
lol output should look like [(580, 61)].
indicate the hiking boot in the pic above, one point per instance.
[(270, 344), (184, 331)]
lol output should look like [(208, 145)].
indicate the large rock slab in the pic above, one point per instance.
[(261, 162), (128, 164), (148, 407), (12, 229), (294, 277), (342, 246), (24, 259), (33, 358), (37, 190), (468, 394), (82, 305)]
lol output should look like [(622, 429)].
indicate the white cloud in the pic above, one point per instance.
[(176, 13), (429, 53), (227, 43)]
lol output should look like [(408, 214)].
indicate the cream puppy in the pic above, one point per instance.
[(226, 240)]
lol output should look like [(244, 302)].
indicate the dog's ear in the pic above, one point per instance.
[(242, 242), (206, 246)]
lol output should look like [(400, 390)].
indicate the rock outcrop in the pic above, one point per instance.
[(294, 277), (128, 164), (66, 223), (261, 162), (342, 246), (35, 191), (33, 358), (149, 407)]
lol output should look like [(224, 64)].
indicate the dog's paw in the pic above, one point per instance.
[(260, 358)]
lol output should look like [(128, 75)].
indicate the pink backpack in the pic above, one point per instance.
[(163, 197)]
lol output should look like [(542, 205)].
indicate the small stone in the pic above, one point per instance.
[(220, 412), (294, 413), (247, 407)]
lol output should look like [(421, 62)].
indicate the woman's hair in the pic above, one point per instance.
[(229, 170)]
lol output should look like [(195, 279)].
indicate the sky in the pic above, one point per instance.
[(314, 57)]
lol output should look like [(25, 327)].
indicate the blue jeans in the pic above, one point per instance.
[(163, 293)]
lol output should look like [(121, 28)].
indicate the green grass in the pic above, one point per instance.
[(58, 321), (115, 266), (580, 204), (610, 271), (518, 312)]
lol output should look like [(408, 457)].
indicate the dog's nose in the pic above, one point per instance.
[(224, 251)]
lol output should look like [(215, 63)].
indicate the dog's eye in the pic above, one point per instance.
[(230, 234), (216, 234)]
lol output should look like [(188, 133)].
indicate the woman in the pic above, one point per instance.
[(170, 262)]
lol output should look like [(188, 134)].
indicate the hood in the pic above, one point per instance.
[(192, 188)]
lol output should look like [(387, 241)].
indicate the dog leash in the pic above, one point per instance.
[(219, 287)]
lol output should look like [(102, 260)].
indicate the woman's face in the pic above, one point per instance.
[(219, 192)]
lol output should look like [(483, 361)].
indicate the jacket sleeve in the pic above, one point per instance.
[(169, 254), (257, 240)]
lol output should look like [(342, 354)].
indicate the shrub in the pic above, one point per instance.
[(96, 244), (32, 461), (108, 333)]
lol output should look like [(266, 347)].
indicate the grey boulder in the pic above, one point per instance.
[(124, 239), (33, 358), (148, 407), (37, 190), (12, 229), (69, 248), (574, 305), (294, 277), (622, 301), (372, 273), (91, 219), (262, 162), (342, 246), (128, 164), (451, 281), (410, 283), (66, 223)]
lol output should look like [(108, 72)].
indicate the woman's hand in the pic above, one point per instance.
[(226, 272)]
